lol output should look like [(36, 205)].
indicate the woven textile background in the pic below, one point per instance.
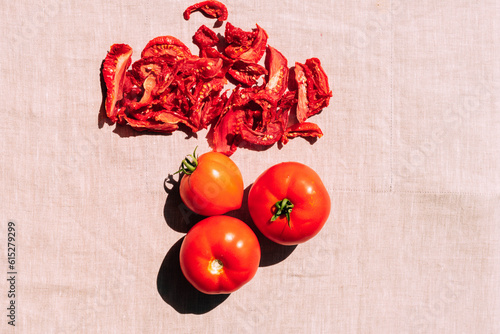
[(410, 156)]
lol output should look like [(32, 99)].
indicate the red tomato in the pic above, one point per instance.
[(289, 203), (219, 255), (212, 184)]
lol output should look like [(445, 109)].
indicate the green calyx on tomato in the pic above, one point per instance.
[(189, 164), (283, 207)]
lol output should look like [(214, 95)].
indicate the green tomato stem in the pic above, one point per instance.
[(283, 207), (189, 164)]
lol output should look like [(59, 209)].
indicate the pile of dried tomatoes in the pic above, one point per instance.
[(170, 87)]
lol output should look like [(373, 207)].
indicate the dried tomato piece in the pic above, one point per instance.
[(246, 73), (152, 76), (225, 132), (214, 53), (151, 125), (114, 70), (147, 97), (302, 111), (313, 90), (206, 103), (210, 8), (277, 81), (159, 66), (208, 67), (305, 129), (320, 96), (247, 46), (238, 36), (166, 46), (251, 116), (264, 133), (205, 37)]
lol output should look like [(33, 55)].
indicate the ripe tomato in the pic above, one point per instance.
[(289, 203), (219, 255), (211, 185)]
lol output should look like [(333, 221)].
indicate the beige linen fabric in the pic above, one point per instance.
[(410, 155)]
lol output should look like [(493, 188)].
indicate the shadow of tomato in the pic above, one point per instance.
[(177, 215)]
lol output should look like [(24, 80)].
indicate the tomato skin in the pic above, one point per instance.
[(225, 239), (303, 187), (215, 187)]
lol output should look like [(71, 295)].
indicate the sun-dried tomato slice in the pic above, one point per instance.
[(243, 45), (302, 103), (238, 36), (226, 131), (151, 125), (210, 8), (147, 97), (277, 81), (205, 37), (208, 68), (166, 46), (313, 90), (207, 103), (259, 131), (114, 70), (305, 129), (246, 73), (159, 66)]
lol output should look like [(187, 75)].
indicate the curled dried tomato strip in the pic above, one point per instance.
[(150, 125), (305, 129), (210, 8)]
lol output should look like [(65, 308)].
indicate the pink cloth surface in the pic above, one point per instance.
[(410, 156)]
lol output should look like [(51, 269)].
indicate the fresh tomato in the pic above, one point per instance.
[(211, 185), (219, 255), (289, 203)]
